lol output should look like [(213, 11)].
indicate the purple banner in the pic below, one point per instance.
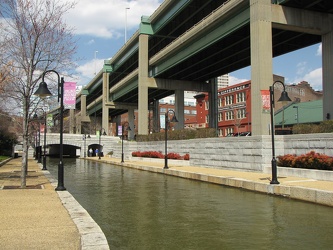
[(69, 95)]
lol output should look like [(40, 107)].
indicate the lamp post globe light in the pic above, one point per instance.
[(43, 92), (45, 130), (122, 138), (167, 121), (99, 142), (283, 98), (36, 145)]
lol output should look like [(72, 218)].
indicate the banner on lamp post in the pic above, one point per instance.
[(266, 102), (42, 128), (120, 130), (49, 120), (69, 95)]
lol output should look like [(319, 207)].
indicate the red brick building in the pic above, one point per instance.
[(234, 109), (234, 104)]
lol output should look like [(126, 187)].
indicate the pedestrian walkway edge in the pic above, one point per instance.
[(92, 236)]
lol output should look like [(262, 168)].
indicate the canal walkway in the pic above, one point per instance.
[(40, 218)]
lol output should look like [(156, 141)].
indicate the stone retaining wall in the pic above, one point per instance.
[(252, 153)]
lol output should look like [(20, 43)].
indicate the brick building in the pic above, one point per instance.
[(234, 109), (234, 104)]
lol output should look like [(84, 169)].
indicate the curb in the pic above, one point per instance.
[(5, 161), (92, 236)]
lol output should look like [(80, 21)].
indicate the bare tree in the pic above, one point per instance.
[(34, 38)]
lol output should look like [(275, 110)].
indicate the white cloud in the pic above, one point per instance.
[(106, 18), (314, 78), (301, 68), (319, 50), (92, 41), (234, 80), (87, 71)]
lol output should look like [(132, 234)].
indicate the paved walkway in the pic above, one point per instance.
[(39, 217)]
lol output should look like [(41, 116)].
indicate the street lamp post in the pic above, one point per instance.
[(36, 145), (43, 92), (284, 97), (174, 119), (127, 8), (99, 142), (122, 139), (44, 147), (39, 148)]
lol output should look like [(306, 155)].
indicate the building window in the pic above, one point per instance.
[(220, 132), (186, 111), (240, 97), (229, 100), (207, 118), (163, 110), (229, 131), (193, 112), (229, 115), (220, 118), (220, 104), (241, 113), (207, 105)]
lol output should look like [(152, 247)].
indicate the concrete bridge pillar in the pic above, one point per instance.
[(82, 117), (156, 116), (131, 123), (143, 85), (213, 107), (261, 62), (105, 108), (72, 121), (179, 108), (327, 59)]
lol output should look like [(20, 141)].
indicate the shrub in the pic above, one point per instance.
[(136, 154), (286, 160), (323, 127), (174, 156), (311, 160), (155, 154)]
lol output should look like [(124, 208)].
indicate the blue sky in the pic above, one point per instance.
[(100, 29)]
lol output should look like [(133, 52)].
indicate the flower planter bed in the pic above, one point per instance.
[(320, 175)]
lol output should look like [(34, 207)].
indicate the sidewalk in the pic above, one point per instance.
[(38, 217), (310, 190)]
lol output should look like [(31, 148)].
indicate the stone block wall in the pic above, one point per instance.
[(253, 153)]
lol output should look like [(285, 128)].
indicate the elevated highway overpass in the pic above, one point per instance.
[(186, 44)]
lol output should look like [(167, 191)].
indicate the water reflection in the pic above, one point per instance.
[(142, 210)]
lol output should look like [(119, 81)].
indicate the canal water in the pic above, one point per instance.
[(143, 210)]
